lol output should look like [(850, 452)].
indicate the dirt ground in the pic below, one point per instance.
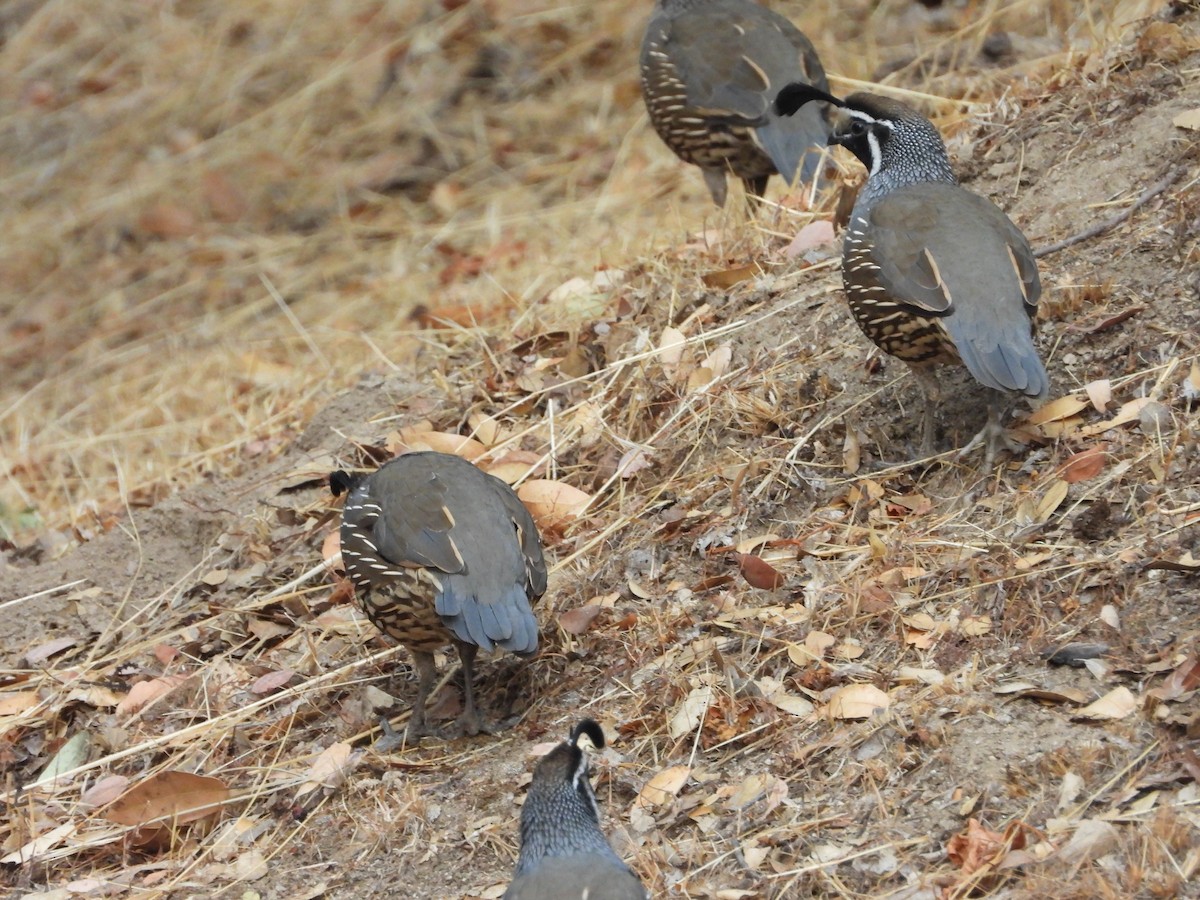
[(247, 244)]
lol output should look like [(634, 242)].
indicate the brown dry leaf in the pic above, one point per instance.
[(579, 620), (976, 848), (851, 452), (172, 797), (1062, 408), (167, 220), (975, 626), (272, 681), (330, 768), (1116, 704), (145, 692), (690, 712), (105, 791), (758, 572), (43, 652), (442, 442), (1051, 500), (331, 549), (857, 701), (225, 201), (1084, 465), (1189, 119), (553, 504), (1184, 679), (724, 279), (633, 461), (16, 703), (215, 578), (777, 695), (670, 348), (819, 642), (1129, 412), (663, 787), (1100, 393), (1034, 692), (815, 234)]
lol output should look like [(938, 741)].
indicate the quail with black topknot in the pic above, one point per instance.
[(564, 854), (710, 70), (441, 552), (934, 274)]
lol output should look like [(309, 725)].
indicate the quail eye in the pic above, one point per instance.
[(858, 128)]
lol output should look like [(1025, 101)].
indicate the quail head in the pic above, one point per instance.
[(933, 273), (710, 69), (440, 553), (564, 854)]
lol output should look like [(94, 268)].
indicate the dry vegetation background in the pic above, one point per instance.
[(244, 243)]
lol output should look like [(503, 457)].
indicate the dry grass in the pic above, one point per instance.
[(225, 216)]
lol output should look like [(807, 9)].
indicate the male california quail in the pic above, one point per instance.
[(564, 854), (441, 552), (710, 69), (934, 273)]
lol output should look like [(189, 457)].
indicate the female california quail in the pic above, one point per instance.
[(440, 552), (710, 69), (934, 273), (564, 854)]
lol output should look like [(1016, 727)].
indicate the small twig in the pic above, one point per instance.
[(1113, 221)]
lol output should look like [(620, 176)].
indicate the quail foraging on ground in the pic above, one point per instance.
[(441, 552), (934, 273), (564, 854), (710, 69)]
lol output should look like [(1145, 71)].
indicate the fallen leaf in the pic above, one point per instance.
[(145, 692), (272, 681), (553, 504), (690, 712), (724, 279), (815, 234), (663, 787), (976, 848), (579, 620), (1062, 408), (1083, 465), (1116, 704), (1100, 393), (857, 701), (16, 703), (758, 572), (330, 769), (1091, 840), (42, 653), (167, 220), (172, 797), (1189, 119), (1051, 500), (105, 790)]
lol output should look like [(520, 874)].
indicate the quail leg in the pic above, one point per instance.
[(933, 394), (755, 187), (426, 673), (470, 721), (992, 435), (715, 179)]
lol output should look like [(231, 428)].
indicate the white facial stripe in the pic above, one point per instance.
[(876, 154)]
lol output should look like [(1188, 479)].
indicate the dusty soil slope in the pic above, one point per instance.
[(247, 245)]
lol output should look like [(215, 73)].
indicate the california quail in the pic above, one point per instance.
[(440, 552), (934, 273), (564, 854), (710, 69)]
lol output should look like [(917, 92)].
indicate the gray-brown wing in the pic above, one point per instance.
[(945, 251)]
